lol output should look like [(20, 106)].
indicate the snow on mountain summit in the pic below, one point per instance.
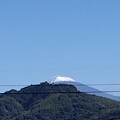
[(61, 79)]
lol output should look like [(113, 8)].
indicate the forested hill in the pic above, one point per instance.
[(56, 102)]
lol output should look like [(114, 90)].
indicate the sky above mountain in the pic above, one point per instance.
[(43, 38)]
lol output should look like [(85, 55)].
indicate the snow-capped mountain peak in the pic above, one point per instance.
[(56, 79)]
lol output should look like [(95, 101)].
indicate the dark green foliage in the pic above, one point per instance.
[(53, 104)]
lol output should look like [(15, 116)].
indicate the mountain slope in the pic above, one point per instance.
[(81, 87), (55, 102)]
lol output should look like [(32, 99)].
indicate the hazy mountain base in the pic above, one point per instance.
[(51, 106), (85, 88)]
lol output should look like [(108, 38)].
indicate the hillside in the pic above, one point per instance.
[(56, 102)]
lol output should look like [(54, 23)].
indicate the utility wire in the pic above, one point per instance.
[(90, 92), (56, 85), (80, 68), (61, 84)]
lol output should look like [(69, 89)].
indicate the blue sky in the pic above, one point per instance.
[(43, 38)]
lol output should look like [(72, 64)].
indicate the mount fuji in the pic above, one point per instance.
[(81, 87)]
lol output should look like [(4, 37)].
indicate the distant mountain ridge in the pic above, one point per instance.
[(81, 87)]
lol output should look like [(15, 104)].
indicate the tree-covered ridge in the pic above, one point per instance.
[(56, 102)]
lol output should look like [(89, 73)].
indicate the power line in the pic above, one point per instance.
[(13, 85), (80, 68), (90, 92), (61, 84)]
